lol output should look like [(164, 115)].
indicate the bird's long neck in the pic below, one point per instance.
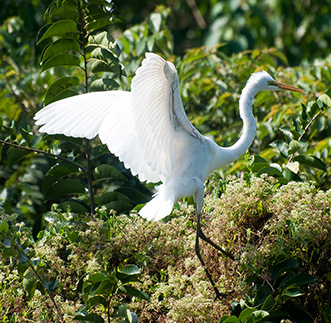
[(227, 155)]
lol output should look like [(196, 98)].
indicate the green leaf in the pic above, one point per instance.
[(105, 55), (15, 155), (64, 59), (4, 228), (231, 319), (98, 277), (130, 270), (59, 28), (281, 146), (62, 95), (107, 287), (310, 161), (298, 279), (283, 266), (90, 318), (64, 10), (325, 100), (107, 172), (268, 304), (62, 45), (64, 187), (259, 315), (103, 85), (96, 300), (272, 171), (291, 292), (56, 172), (60, 85), (97, 24), (131, 291), (30, 283), (245, 314), (103, 39), (75, 206), (294, 147), (100, 66)]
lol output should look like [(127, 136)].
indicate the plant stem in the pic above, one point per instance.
[(57, 309), (305, 130), (89, 176), (87, 152), (39, 151)]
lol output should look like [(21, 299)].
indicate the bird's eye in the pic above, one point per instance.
[(272, 83)]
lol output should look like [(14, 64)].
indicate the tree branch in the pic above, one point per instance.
[(39, 151), (305, 130)]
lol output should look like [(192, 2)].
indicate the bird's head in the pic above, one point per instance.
[(264, 82)]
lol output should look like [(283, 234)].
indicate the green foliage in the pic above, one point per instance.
[(275, 299), (60, 264), (100, 288), (280, 236)]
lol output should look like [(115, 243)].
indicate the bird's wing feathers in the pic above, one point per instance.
[(107, 114), (76, 116), (139, 127), (158, 112)]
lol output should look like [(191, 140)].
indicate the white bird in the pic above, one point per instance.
[(150, 133)]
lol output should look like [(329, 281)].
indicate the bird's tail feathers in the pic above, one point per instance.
[(158, 208)]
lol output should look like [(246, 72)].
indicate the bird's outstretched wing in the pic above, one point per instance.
[(140, 127), (158, 112)]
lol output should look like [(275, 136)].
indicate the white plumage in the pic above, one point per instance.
[(148, 130)]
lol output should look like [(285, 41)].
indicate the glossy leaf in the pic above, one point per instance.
[(15, 155), (325, 100), (310, 161), (56, 172), (103, 39), (297, 280), (64, 59), (96, 300), (5, 228), (104, 54), (64, 187), (103, 85), (131, 291), (107, 172), (245, 314), (75, 206), (272, 171), (90, 318), (130, 270), (59, 28), (29, 283), (281, 267), (59, 46), (60, 85), (62, 95), (294, 146), (98, 24)]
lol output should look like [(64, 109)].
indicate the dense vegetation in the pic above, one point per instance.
[(73, 247)]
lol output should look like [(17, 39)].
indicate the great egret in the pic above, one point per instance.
[(148, 130)]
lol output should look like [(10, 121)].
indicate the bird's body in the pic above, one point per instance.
[(148, 130)]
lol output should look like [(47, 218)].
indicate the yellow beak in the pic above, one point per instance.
[(287, 87)]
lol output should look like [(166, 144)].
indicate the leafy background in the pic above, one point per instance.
[(271, 208)]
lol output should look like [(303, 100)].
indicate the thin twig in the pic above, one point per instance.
[(197, 14), (39, 151), (304, 131), (57, 309)]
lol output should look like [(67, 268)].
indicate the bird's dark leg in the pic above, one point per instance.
[(203, 237), (197, 251)]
